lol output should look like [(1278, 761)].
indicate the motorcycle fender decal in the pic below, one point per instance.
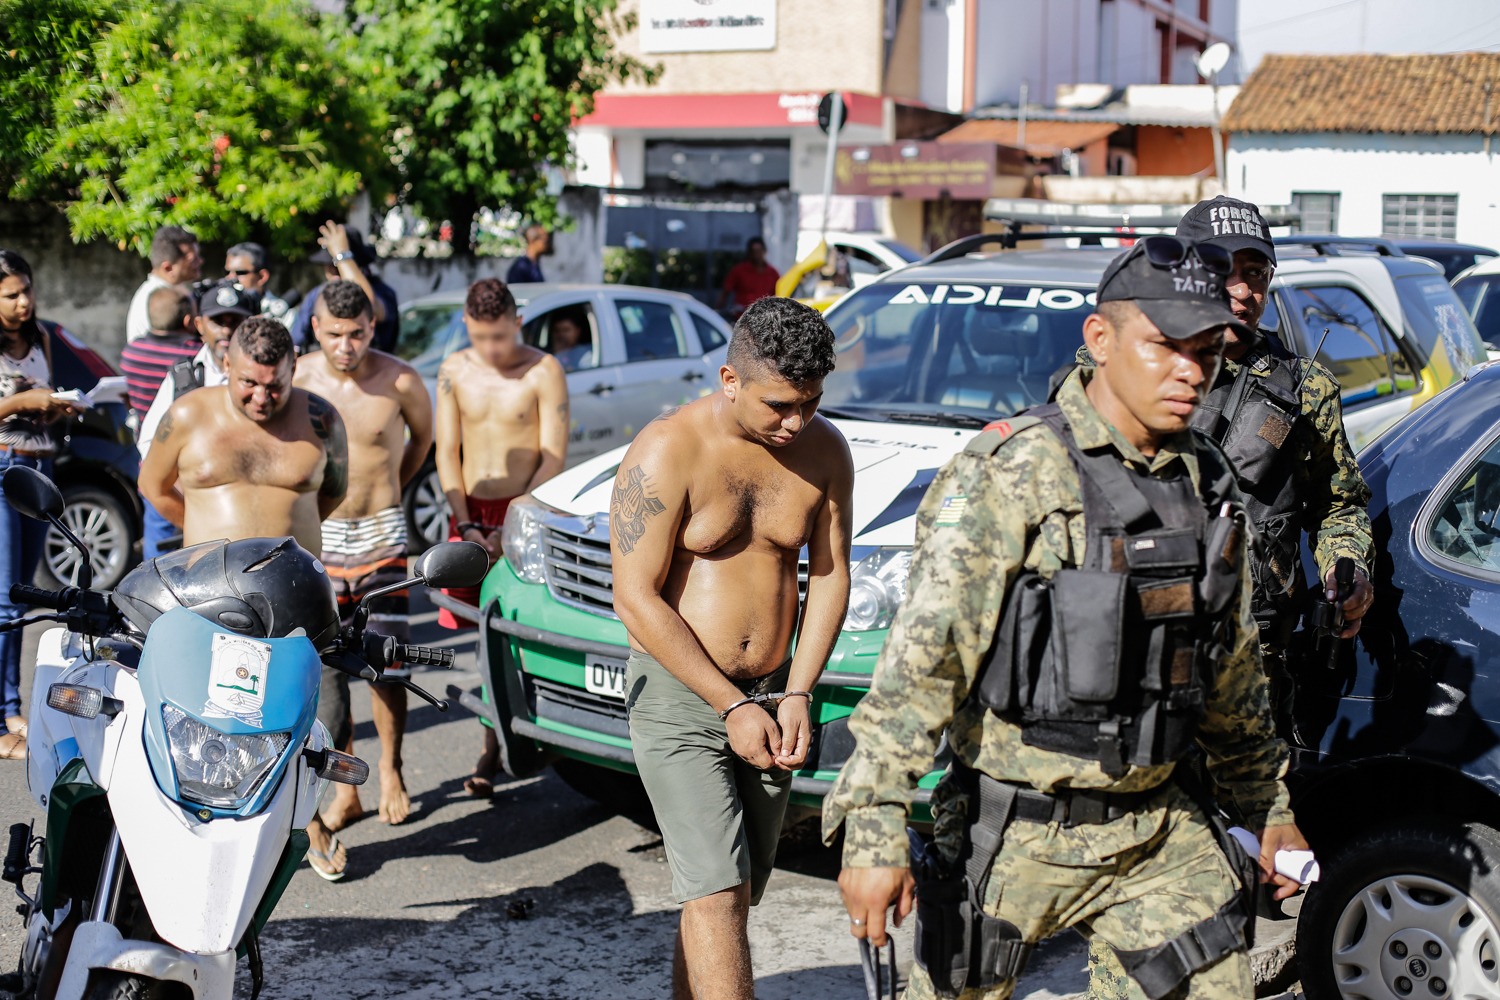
[(237, 676)]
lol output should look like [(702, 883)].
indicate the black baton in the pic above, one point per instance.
[(869, 962)]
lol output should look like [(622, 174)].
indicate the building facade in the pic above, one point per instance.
[(1367, 145)]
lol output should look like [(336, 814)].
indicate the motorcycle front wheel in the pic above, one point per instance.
[(107, 984)]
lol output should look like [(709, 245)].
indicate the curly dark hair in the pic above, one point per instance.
[(344, 300), (783, 336), (489, 299), (265, 340)]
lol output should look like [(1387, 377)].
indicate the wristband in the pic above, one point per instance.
[(339, 258), (464, 527)]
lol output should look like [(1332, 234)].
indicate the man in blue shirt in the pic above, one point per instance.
[(346, 255), (529, 267)]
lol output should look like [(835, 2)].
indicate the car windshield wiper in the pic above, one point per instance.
[(940, 418)]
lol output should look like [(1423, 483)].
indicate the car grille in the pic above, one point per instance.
[(577, 565), (576, 707)]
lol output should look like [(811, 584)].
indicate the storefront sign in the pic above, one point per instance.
[(707, 25), (918, 170)]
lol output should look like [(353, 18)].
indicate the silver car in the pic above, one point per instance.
[(648, 350)]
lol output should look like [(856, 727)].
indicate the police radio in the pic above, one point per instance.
[(1328, 616)]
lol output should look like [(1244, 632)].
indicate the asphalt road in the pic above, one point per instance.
[(424, 909)]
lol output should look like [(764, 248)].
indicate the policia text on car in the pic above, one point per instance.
[(1113, 539)]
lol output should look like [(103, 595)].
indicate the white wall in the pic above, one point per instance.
[(1267, 168)]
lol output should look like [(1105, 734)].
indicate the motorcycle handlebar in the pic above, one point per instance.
[(35, 597), (423, 656)]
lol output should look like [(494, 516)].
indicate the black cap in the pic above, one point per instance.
[(1229, 223), (363, 252), (1182, 301), (218, 298)]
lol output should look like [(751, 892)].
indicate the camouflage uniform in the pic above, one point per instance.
[(1135, 882), (1328, 482)]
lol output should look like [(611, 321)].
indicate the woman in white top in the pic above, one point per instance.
[(27, 406)]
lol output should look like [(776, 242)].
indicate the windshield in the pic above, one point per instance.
[(1437, 317), (960, 354), (1478, 295), (428, 335)]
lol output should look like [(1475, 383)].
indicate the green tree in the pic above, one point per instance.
[(231, 117), (41, 41), (488, 91)]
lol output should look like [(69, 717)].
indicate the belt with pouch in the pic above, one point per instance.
[(1068, 806)]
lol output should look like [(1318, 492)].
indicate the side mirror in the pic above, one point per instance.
[(452, 564), (33, 494)]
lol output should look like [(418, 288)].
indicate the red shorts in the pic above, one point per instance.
[(491, 514)]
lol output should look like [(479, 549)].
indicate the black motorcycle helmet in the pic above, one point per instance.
[(266, 588)]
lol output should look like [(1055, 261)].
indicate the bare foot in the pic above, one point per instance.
[(343, 810), (12, 746), (395, 804), (324, 852), (482, 784), (16, 724)]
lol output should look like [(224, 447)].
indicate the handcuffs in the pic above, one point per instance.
[(772, 698)]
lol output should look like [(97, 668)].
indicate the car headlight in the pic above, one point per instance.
[(215, 768), (521, 540), (877, 586)]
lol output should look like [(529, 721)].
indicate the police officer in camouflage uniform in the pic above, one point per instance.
[(1279, 417), (1060, 809)]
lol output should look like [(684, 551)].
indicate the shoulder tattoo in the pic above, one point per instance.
[(163, 429), (321, 416), (629, 506), (445, 384), (664, 414)]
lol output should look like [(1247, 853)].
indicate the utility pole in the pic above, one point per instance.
[(835, 102)]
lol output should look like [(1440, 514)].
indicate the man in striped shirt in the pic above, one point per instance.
[(173, 337)]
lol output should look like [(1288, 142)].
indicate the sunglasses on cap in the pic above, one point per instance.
[(1171, 251)]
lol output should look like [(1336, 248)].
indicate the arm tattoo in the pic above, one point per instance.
[(629, 506), (445, 385), (330, 430), (563, 409), (163, 429)]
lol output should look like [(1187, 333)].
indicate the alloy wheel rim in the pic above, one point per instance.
[(1409, 937), (430, 509), (94, 525)]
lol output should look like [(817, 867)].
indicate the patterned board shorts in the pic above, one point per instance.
[(362, 555)]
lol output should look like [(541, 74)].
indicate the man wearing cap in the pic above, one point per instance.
[(346, 255), (221, 307), (1280, 419), (1077, 621)]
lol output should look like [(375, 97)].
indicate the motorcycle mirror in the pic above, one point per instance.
[(453, 564), (32, 493)]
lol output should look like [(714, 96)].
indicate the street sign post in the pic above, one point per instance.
[(832, 112)]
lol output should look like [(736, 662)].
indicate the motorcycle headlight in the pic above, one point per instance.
[(219, 769), (877, 586), (521, 540)]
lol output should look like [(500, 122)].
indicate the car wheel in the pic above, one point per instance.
[(427, 512), (102, 523), (1410, 912), (615, 790)]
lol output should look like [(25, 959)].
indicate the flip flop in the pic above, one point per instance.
[(12, 746), (480, 788), (20, 729), (333, 848)]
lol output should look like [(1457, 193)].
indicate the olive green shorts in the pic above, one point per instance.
[(720, 817)]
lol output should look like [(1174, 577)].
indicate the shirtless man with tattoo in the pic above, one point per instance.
[(255, 458), (502, 430), (388, 419), (711, 506)]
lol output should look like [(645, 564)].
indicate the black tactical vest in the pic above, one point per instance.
[(1252, 418), (1114, 661)]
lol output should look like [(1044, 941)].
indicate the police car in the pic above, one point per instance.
[(927, 355)]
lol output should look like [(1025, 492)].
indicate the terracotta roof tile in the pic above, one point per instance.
[(1369, 93), (1043, 138)]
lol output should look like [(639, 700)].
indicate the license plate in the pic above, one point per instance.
[(605, 675)]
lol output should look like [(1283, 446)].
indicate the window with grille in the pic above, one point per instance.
[(1432, 216), (1320, 212)]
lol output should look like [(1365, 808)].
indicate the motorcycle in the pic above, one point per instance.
[(175, 747)]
